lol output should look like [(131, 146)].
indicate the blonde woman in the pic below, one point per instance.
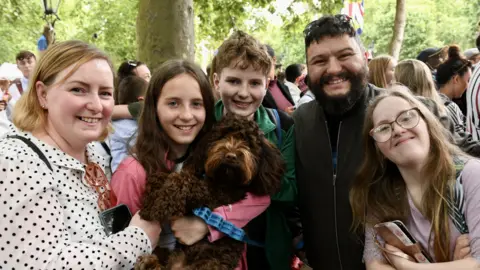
[(409, 175), (52, 180), (380, 71), (416, 75)]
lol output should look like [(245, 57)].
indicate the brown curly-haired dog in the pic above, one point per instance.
[(231, 160)]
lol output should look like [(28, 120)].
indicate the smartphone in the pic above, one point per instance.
[(115, 219), (395, 233)]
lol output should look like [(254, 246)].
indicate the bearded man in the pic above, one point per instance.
[(328, 141)]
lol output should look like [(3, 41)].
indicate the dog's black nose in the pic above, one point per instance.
[(230, 156)]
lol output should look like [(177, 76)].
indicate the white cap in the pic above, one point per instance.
[(471, 52)]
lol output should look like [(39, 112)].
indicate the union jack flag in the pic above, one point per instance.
[(355, 9)]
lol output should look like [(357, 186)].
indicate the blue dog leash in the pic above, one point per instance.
[(224, 226), (227, 227)]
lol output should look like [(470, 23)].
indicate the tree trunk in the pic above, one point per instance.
[(165, 31), (398, 29)]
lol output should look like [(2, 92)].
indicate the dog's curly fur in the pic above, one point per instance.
[(231, 160)]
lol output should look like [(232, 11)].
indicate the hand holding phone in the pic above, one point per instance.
[(396, 234), (115, 219)]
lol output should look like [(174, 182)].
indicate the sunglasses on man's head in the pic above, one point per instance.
[(344, 19)]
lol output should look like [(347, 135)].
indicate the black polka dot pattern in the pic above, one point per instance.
[(50, 220)]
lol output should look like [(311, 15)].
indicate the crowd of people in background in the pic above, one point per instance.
[(364, 141)]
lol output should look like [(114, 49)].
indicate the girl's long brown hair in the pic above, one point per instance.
[(416, 75), (379, 194), (152, 143), (377, 69)]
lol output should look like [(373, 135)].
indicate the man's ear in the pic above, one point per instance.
[(41, 90), (216, 81)]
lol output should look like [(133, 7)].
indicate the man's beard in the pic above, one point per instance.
[(338, 105)]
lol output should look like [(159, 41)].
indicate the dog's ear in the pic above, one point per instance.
[(271, 169)]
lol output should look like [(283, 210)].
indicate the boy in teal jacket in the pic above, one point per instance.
[(241, 69)]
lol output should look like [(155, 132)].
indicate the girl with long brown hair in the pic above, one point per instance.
[(178, 112), (409, 174), (380, 71)]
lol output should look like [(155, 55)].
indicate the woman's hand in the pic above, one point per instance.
[(189, 230), (151, 228), (399, 259), (462, 247)]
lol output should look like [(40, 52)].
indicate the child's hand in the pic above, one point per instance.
[(189, 230)]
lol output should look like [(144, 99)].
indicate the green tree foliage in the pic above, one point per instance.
[(20, 27), (430, 23)]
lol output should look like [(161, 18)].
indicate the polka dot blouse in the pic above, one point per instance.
[(50, 220)]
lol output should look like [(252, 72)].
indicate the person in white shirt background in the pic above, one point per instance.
[(26, 62), (4, 98)]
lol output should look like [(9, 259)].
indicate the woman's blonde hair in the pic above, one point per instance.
[(28, 114), (379, 194), (416, 75), (376, 70)]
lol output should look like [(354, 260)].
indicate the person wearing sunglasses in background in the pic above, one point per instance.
[(53, 184), (412, 173), (328, 146)]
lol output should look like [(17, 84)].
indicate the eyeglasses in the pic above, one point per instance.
[(407, 119), (344, 19), (97, 179)]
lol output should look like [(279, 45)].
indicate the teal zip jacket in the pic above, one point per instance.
[(278, 239)]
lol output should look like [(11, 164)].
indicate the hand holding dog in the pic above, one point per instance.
[(189, 230)]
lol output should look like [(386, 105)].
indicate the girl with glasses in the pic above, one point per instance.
[(410, 174)]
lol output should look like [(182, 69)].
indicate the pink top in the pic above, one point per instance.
[(419, 226), (129, 180), (280, 99)]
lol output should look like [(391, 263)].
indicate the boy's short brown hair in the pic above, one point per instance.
[(24, 55), (245, 50)]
